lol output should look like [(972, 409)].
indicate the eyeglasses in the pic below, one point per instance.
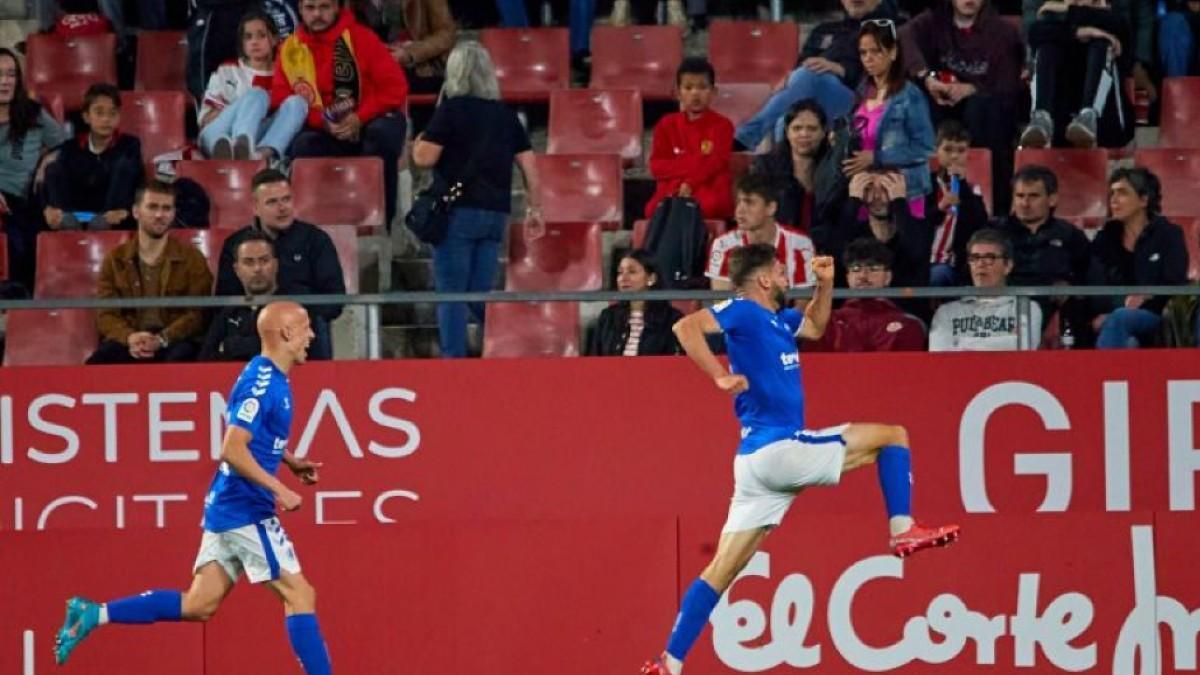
[(855, 268), (884, 23), (989, 258)]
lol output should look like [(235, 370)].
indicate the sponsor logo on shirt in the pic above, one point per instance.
[(248, 410), (790, 360)]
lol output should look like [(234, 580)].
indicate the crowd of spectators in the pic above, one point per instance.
[(843, 165)]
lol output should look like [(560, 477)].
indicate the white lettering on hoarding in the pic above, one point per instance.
[(1055, 466), (6, 430), (742, 621), (375, 407), (1116, 446), (1184, 457), (328, 400), (110, 403), (159, 427), (49, 428)]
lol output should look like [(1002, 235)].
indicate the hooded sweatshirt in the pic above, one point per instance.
[(989, 54)]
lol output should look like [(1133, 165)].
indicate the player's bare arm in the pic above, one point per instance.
[(691, 331), (304, 469), (235, 452), (816, 314)]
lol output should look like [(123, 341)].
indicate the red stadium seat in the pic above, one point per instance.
[(642, 57), (345, 240), (1179, 171), (641, 227), (69, 65), (50, 337), (53, 103), (581, 188), (161, 61), (3, 255), (752, 51), (1180, 113), (740, 100), (527, 329), (227, 184), (209, 242), (596, 121), (530, 62), (68, 263), (1082, 178), (739, 165), (339, 191), (567, 258), (979, 172), (158, 119)]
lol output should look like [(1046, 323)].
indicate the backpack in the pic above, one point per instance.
[(678, 240)]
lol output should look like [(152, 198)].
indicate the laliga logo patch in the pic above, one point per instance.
[(894, 327), (248, 411)]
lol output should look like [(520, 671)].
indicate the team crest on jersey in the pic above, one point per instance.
[(248, 410), (706, 147)]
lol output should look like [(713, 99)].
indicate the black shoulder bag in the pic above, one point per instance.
[(429, 217)]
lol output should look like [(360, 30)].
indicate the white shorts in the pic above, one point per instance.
[(766, 482), (262, 550)]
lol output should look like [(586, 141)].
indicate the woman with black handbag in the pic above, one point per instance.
[(471, 143)]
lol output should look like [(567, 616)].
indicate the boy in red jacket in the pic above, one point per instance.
[(690, 155)]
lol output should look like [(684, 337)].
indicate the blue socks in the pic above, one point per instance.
[(895, 477), (307, 643), (148, 607), (698, 604)]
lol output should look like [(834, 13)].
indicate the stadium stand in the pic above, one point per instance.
[(68, 263), (740, 100), (642, 57), (566, 258), (161, 61), (752, 51), (531, 63), (1180, 113), (581, 188), (1082, 177), (68, 67), (531, 329), (596, 121), (157, 119), (1179, 171), (50, 337), (357, 182), (227, 184)]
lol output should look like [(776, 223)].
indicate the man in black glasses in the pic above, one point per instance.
[(983, 323)]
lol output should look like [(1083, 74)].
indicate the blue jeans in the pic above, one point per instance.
[(582, 15), (1127, 328), (465, 261), (247, 116), (942, 275), (835, 98), (1175, 44)]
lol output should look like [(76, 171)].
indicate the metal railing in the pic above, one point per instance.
[(373, 302)]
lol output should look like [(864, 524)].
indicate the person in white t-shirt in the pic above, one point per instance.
[(754, 212), (983, 323), (234, 121)]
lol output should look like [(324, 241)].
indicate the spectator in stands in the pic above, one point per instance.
[(308, 261), (636, 327), (1080, 41), (95, 176), (420, 34), (233, 117), (1177, 32), (955, 207), (474, 137), (354, 88), (232, 335), (969, 60), (151, 264), (829, 69), (691, 148), (757, 204), (1137, 247), (877, 209), (80, 17), (580, 18), (892, 115), (27, 133), (1046, 250), (984, 323), (793, 161), (643, 12), (870, 324)]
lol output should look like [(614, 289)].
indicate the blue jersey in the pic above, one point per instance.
[(261, 403), (762, 347)]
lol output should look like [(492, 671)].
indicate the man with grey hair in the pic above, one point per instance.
[(355, 90), (984, 323)]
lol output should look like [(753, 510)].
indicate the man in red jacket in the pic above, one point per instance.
[(870, 324), (354, 88)]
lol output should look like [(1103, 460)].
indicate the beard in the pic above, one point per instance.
[(780, 297)]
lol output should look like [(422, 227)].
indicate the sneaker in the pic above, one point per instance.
[(920, 537), (620, 13), (1039, 132), (83, 616), (676, 16), (657, 666), (243, 147), (222, 148), (1081, 132)]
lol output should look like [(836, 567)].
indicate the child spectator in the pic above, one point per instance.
[(96, 174), (638, 327), (233, 116), (955, 207), (690, 155)]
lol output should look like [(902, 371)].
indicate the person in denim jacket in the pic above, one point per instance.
[(891, 115)]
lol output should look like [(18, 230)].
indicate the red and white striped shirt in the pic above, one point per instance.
[(791, 248)]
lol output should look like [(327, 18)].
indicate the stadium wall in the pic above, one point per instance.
[(539, 516)]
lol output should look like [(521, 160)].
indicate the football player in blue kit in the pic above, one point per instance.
[(778, 455), (241, 532)]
